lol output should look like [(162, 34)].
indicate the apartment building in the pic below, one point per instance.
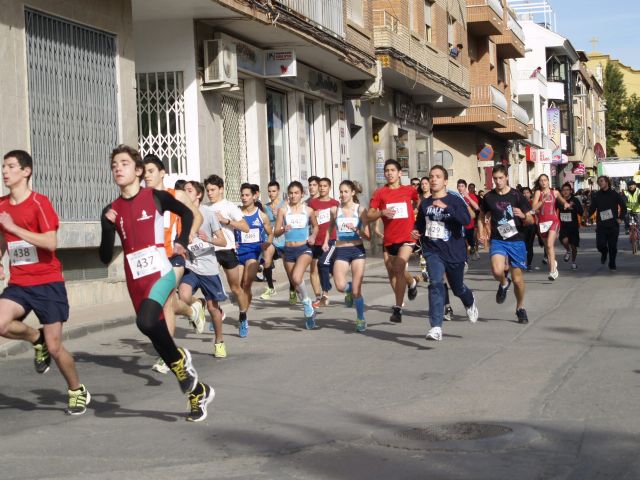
[(477, 137), (421, 47)]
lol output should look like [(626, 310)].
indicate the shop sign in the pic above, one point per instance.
[(544, 155), (531, 153), (579, 169), (250, 59), (280, 63), (408, 112), (316, 83)]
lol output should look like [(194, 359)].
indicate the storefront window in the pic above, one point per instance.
[(277, 134)]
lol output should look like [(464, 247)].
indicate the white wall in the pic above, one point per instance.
[(168, 45)]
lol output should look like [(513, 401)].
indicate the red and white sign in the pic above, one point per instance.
[(579, 169), (545, 155), (531, 153)]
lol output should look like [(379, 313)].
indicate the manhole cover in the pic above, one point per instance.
[(453, 432)]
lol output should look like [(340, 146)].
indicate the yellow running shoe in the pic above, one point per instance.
[(78, 401), (219, 350)]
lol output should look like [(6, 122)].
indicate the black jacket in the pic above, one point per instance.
[(606, 203)]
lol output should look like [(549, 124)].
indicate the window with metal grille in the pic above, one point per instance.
[(73, 113), (234, 146), (161, 128)]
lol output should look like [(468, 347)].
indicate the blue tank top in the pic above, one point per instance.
[(342, 221), (252, 240), (277, 241), (299, 226)]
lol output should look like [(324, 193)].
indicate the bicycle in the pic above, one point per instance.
[(633, 233)]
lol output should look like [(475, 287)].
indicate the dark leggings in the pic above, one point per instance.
[(529, 239), (607, 242), (149, 322), (268, 275)]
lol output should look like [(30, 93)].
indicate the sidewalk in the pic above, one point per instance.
[(97, 318)]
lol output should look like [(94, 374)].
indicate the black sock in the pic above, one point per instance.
[(40, 340), (268, 276)]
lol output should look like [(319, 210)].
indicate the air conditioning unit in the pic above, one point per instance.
[(220, 63)]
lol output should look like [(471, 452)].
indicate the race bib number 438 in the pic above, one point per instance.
[(22, 253)]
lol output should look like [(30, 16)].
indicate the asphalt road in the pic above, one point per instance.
[(557, 398)]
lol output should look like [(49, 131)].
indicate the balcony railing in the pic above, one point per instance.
[(496, 6), (488, 96), (519, 113), (327, 14), (535, 137), (514, 26), (383, 18), (533, 75)]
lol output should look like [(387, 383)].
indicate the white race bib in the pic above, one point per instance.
[(199, 247), (296, 220), (434, 229), (324, 216), (545, 226), (148, 261), (252, 236), (508, 230), (400, 210), (565, 217), (22, 253), (606, 215), (345, 225)]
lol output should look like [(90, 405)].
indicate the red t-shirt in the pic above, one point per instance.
[(30, 265), (472, 223), (397, 229), (323, 215)]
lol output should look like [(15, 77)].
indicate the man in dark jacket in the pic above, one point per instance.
[(606, 203)]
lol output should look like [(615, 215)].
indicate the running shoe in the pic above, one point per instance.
[(545, 260), (243, 328), (521, 313), (198, 402), (412, 292), (501, 294), (184, 371), (309, 314), (219, 350), (448, 313), (435, 334), (574, 266), (260, 274), (472, 312), (612, 267), (197, 317), (78, 401), (42, 359), (348, 296), (323, 301), (361, 325), (425, 275), (160, 366), (603, 258), (268, 293), (396, 315), (466, 267), (293, 297), (553, 275), (567, 256)]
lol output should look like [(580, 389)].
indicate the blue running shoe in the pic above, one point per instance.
[(310, 322), (309, 314), (243, 328), (348, 296)]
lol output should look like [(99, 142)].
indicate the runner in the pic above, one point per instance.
[(440, 228), (231, 218), (137, 216), (350, 221), (323, 259), (395, 204), (28, 231), (610, 207), (529, 231), (295, 220), (251, 244), (202, 271), (275, 250), (154, 173), (508, 211), (570, 225), (544, 203), (313, 184), (470, 230), (632, 195), (424, 191)]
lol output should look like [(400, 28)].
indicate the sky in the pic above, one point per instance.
[(616, 24)]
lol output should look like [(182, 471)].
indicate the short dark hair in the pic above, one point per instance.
[(326, 180), (23, 158), (606, 179), (442, 169), (249, 186), (295, 184), (462, 181), (524, 189), (132, 152), (256, 186), (312, 178), (393, 162), (198, 186), (151, 158), (179, 185), (568, 185), (415, 179), (215, 180), (500, 169), (273, 183)]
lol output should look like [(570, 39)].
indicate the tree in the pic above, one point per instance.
[(633, 122), (615, 94)]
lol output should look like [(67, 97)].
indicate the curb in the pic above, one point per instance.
[(17, 347)]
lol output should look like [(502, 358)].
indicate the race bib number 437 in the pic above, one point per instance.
[(22, 253), (147, 261)]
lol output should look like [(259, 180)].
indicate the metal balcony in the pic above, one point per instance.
[(511, 43), (325, 14), (485, 17), (519, 113)]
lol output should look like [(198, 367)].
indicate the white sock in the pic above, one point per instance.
[(302, 291)]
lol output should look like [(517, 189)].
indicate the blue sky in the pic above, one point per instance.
[(616, 23)]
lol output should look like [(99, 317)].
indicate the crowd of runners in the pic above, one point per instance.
[(176, 240)]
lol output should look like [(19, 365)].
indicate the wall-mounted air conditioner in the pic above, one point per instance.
[(220, 64)]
